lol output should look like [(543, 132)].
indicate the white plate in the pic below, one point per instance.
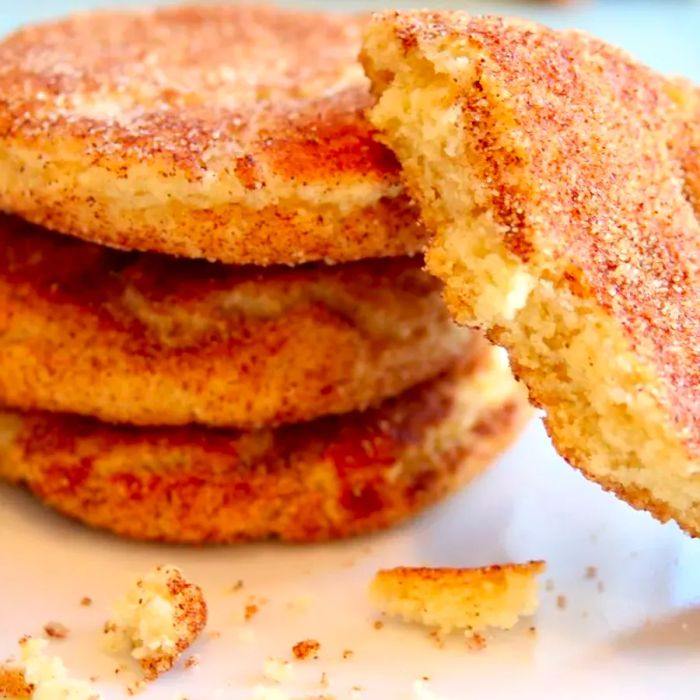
[(639, 637)]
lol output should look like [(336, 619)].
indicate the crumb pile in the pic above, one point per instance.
[(215, 379), (157, 620), (42, 677)]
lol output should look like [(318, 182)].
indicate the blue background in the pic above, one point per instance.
[(665, 35)]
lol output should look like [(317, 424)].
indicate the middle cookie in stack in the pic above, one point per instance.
[(336, 399)]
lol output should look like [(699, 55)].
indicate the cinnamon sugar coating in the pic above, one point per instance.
[(233, 133), (149, 340), (332, 478), (572, 171)]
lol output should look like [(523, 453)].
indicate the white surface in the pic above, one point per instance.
[(639, 638)]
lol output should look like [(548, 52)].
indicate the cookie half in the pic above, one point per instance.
[(560, 177)]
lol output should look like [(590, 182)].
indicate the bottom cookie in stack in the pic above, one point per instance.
[(330, 478)]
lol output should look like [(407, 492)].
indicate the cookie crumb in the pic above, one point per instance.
[(348, 654), (476, 642), (451, 599), (56, 630), (138, 687), (214, 634), (46, 676), (324, 680), (192, 661), (13, 684), (377, 624), (251, 610), (237, 586), (305, 649), (158, 618), (532, 631), (86, 601), (438, 638), (561, 602), (591, 571)]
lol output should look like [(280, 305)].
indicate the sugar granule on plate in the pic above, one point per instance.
[(135, 688), (250, 611), (192, 661), (56, 630)]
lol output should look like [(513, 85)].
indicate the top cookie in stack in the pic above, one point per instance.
[(233, 133), (237, 135)]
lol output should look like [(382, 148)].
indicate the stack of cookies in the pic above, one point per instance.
[(212, 325)]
